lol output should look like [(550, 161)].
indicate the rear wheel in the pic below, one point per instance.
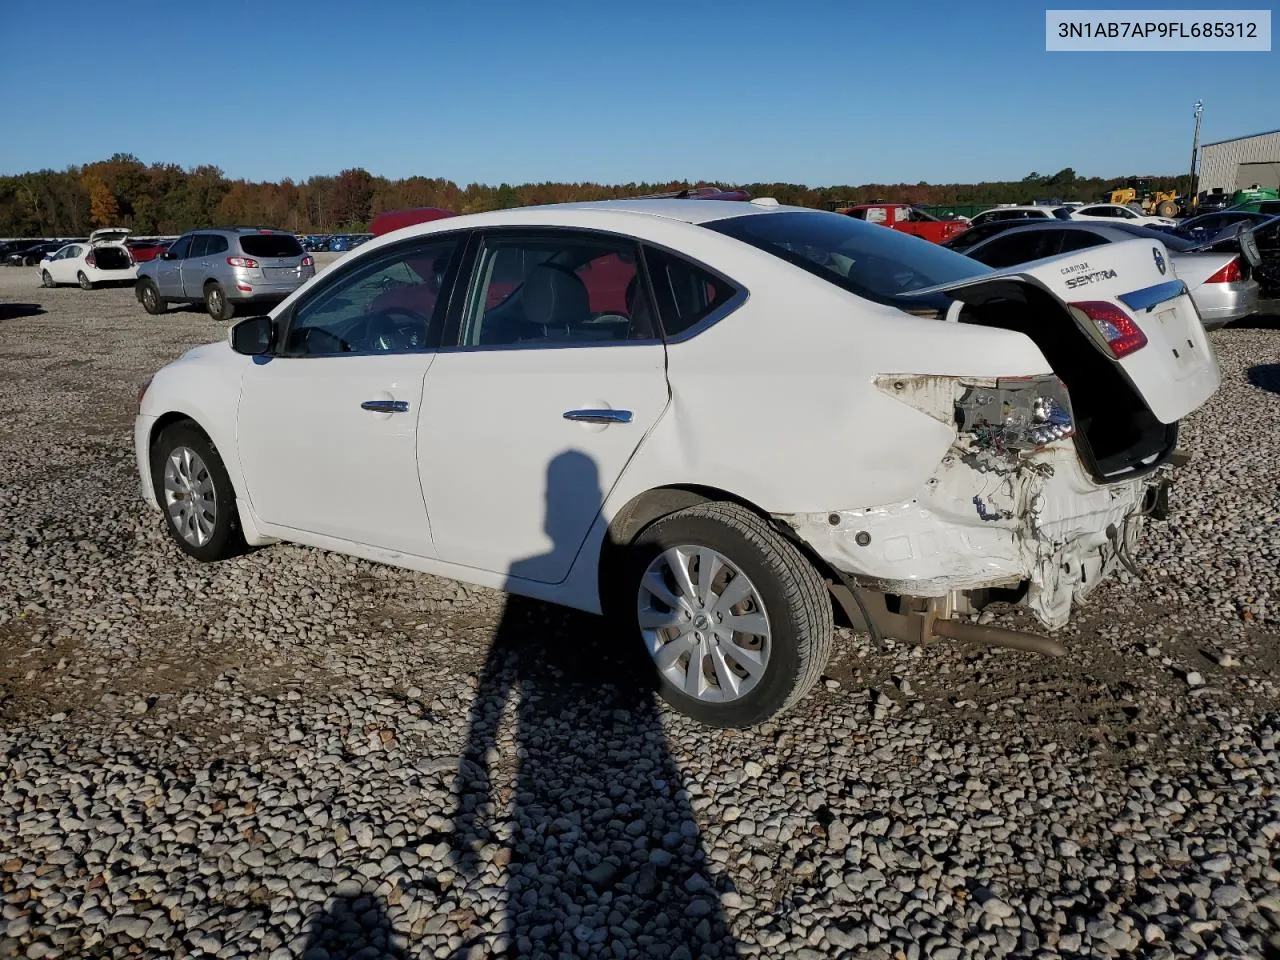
[(46, 280), (1167, 209), (215, 301), (84, 281), (193, 489), (736, 621), (149, 295)]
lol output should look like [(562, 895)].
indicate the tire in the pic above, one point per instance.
[(1167, 209), (46, 280), (792, 594), (149, 297), (216, 302), (206, 539), (85, 282)]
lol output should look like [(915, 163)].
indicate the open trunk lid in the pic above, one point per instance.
[(1175, 371), (109, 235)]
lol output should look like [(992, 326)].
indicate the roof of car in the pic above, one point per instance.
[(1023, 206), (690, 211)]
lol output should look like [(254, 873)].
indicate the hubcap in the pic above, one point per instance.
[(703, 623), (189, 496)]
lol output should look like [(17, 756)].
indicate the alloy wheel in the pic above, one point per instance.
[(703, 623), (189, 496)]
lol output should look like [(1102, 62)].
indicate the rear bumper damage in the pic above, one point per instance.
[(984, 521)]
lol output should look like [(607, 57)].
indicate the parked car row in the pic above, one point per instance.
[(335, 243)]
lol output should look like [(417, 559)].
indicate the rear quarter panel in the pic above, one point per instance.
[(776, 403)]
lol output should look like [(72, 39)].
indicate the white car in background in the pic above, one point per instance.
[(1014, 212), (104, 259), (705, 418), (1112, 212)]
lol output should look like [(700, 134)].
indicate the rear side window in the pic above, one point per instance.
[(1079, 240), (271, 245), (216, 244), (199, 245), (1019, 246), (684, 293)]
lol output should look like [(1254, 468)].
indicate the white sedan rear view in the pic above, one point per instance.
[(706, 419)]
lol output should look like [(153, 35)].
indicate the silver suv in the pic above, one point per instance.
[(224, 268)]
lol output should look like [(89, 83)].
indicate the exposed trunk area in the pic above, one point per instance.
[(111, 258), (1117, 435)]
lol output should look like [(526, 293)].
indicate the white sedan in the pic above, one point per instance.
[(704, 418), (103, 259), (1113, 212)]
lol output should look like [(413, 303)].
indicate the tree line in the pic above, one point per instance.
[(164, 198)]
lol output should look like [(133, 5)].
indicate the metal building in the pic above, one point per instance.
[(1231, 165)]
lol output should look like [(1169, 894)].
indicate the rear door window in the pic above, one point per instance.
[(199, 245), (270, 245)]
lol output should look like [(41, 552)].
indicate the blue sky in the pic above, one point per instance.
[(804, 92)]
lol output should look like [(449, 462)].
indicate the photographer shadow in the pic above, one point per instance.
[(591, 835)]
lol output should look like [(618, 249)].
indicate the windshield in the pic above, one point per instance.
[(872, 261)]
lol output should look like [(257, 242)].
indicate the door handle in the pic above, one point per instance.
[(386, 406), (599, 416)]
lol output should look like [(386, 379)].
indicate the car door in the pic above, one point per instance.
[(195, 267), (169, 268), (63, 269), (555, 377), (327, 427)]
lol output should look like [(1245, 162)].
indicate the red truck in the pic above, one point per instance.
[(908, 219)]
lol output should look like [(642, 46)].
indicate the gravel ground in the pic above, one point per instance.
[(294, 754)]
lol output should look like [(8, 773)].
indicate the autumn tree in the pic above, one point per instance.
[(103, 209)]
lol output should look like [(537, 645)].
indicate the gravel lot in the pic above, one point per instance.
[(294, 754)]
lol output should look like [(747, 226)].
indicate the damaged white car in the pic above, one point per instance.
[(719, 422)]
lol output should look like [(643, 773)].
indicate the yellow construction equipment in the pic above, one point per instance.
[(1156, 203)]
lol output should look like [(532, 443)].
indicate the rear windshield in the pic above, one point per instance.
[(872, 261), (271, 245), (1171, 240)]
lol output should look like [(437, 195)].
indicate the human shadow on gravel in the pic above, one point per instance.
[(352, 925), (1265, 376), (12, 311), (594, 841)]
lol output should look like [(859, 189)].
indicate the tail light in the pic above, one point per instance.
[(89, 260), (308, 262), (1115, 328), (242, 262), (1231, 273)]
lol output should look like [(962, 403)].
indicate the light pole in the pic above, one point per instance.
[(1195, 149)]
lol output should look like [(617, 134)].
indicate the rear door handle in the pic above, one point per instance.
[(386, 406), (599, 416)]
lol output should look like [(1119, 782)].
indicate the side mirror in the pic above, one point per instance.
[(253, 336)]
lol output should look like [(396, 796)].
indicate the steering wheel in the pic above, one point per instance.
[(384, 333)]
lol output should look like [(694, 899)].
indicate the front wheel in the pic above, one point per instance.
[(215, 301), (152, 302), (46, 280), (84, 281), (193, 489), (735, 620)]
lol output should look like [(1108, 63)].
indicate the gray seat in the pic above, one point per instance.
[(556, 300)]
